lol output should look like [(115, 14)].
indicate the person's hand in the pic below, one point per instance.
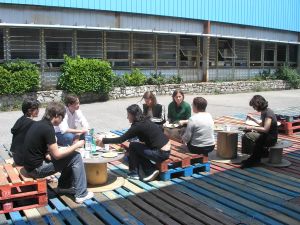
[(99, 142), (84, 131), (48, 157), (250, 117), (79, 143), (182, 122)]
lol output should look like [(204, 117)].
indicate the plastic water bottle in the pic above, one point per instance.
[(88, 142)]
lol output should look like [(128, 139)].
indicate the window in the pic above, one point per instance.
[(241, 50), (117, 48), (293, 55), (58, 43), (166, 51), (25, 44), (225, 52), (269, 54), (143, 50), (89, 44), (281, 55), (255, 54), (188, 51), (1, 45)]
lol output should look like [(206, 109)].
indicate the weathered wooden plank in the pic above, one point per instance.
[(52, 219), (142, 216), (34, 216), (116, 210), (266, 215)]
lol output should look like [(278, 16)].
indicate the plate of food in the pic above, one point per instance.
[(109, 154), (156, 120), (172, 125)]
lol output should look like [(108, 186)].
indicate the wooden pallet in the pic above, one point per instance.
[(26, 202), (16, 186), (180, 162), (289, 128)]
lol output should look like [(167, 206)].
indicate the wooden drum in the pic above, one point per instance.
[(227, 144)]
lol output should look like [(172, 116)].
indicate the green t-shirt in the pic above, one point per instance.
[(182, 112)]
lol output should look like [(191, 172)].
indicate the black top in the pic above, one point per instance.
[(146, 131), (39, 136), (268, 113), (157, 111), (19, 131)]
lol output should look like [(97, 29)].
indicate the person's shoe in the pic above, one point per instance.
[(133, 175), (249, 163), (80, 200), (265, 154), (152, 176), (64, 191)]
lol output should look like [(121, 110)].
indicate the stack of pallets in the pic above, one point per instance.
[(289, 119), (18, 191), (180, 163)]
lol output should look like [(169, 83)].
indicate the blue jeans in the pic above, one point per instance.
[(140, 154), (67, 139), (72, 173)]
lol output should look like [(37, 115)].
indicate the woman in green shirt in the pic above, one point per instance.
[(178, 109), (179, 112)]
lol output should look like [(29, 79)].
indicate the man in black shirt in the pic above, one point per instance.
[(40, 140), (30, 109)]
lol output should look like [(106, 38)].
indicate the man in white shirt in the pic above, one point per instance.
[(74, 126)]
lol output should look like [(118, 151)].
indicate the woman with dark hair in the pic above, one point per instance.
[(30, 109), (199, 134), (152, 109), (258, 137), (153, 145), (178, 109), (179, 112)]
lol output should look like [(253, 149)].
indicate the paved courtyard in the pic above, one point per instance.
[(110, 115)]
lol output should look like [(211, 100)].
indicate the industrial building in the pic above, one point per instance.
[(201, 40)]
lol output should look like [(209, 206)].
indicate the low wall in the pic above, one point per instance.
[(9, 102)]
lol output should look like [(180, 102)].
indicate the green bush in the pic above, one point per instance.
[(289, 75), (175, 79), (19, 77), (156, 79), (135, 78), (80, 75)]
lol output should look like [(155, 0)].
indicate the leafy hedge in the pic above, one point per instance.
[(19, 77), (137, 78), (283, 73), (80, 75)]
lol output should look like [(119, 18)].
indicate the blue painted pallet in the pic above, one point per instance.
[(186, 172)]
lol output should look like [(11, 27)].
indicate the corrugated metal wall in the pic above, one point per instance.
[(277, 14)]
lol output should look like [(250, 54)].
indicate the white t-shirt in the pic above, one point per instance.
[(72, 121), (200, 130)]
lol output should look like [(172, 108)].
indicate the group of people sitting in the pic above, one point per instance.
[(35, 144)]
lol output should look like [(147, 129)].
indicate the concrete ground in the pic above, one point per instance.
[(105, 116)]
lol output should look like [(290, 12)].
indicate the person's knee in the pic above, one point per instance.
[(133, 146), (68, 138)]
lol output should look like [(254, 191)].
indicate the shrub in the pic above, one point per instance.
[(19, 77), (135, 78), (80, 75), (175, 79), (156, 79), (289, 75)]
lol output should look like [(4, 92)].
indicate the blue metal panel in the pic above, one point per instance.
[(276, 14)]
